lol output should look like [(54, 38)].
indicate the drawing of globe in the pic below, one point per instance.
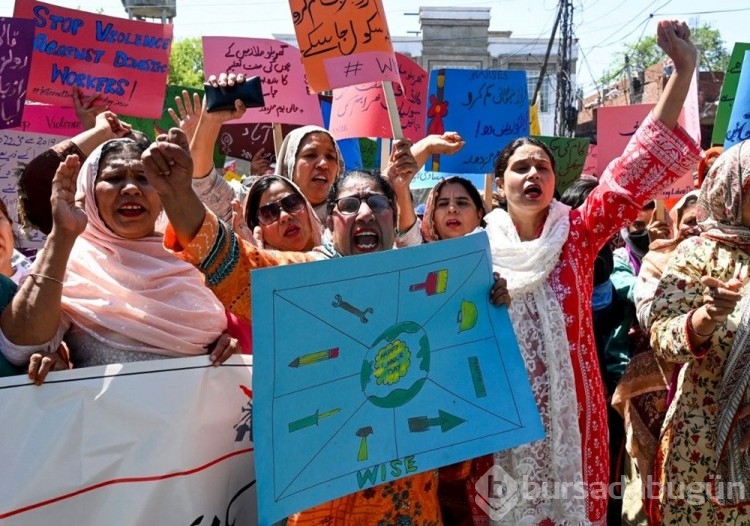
[(396, 365)]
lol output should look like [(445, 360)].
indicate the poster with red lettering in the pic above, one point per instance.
[(126, 61), (361, 111)]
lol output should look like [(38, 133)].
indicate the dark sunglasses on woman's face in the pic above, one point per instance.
[(269, 213), (350, 204)]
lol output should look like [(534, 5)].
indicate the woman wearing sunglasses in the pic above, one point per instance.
[(280, 217)]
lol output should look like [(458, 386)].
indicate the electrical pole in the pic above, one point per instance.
[(564, 101)]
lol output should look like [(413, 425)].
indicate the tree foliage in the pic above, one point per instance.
[(186, 63), (646, 52)]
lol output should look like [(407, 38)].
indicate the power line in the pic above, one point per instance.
[(709, 12)]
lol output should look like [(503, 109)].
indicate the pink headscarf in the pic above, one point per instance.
[(427, 228), (131, 293)]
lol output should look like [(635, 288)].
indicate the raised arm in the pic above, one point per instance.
[(400, 171), (446, 144), (169, 169), (34, 315), (674, 38), (209, 126)]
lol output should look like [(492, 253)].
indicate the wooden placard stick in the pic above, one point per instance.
[(488, 191)]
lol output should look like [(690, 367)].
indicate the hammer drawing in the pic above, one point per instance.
[(363, 433)]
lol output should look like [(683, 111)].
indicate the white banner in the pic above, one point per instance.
[(166, 442)]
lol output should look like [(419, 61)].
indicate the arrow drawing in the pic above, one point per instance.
[(446, 421), (311, 420)]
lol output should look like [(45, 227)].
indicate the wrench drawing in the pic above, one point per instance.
[(362, 314)]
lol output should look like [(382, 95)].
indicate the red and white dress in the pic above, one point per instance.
[(564, 478)]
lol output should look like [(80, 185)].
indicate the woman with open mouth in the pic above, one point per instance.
[(453, 209), (546, 251), (103, 282)]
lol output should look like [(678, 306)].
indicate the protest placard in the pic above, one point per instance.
[(739, 121), (127, 61), (16, 41), (728, 93), (570, 156)]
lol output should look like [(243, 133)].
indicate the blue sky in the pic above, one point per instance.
[(602, 26)]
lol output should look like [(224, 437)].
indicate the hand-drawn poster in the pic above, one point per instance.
[(369, 152), (50, 119), (244, 141), (534, 128), (728, 93), (287, 99), (16, 42), (739, 122), (156, 442), (349, 147), (488, 108), (127, 61), (344, 43), (16, 150), (398, 364), (570, 155), (617, 124), (361, 111)]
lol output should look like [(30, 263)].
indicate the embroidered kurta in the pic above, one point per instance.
[(686, 452), (654, 158)]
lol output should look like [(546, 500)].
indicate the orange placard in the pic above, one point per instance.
[(126, 61), (343, 43)]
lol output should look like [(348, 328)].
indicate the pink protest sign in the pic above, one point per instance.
[(50, 120), (343, 43), (590, 166), (615, 125), (16, 41), (126, 61), (287, 100), (690, 120), (361, 111)]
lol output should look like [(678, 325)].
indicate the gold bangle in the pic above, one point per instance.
[(44, 276)]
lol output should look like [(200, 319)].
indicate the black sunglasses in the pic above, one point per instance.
[(269, 213), (350, 204)]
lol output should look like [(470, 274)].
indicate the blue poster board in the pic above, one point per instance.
[(371, 368), (488, 108), (739, 121)]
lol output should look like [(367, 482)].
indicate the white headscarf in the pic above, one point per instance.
[(540, 328)]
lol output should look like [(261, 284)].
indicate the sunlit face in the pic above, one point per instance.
[(6, 245), (455, 213), (127, 203), (364, 231), (292, 230), (316, 166), (528, 182)]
